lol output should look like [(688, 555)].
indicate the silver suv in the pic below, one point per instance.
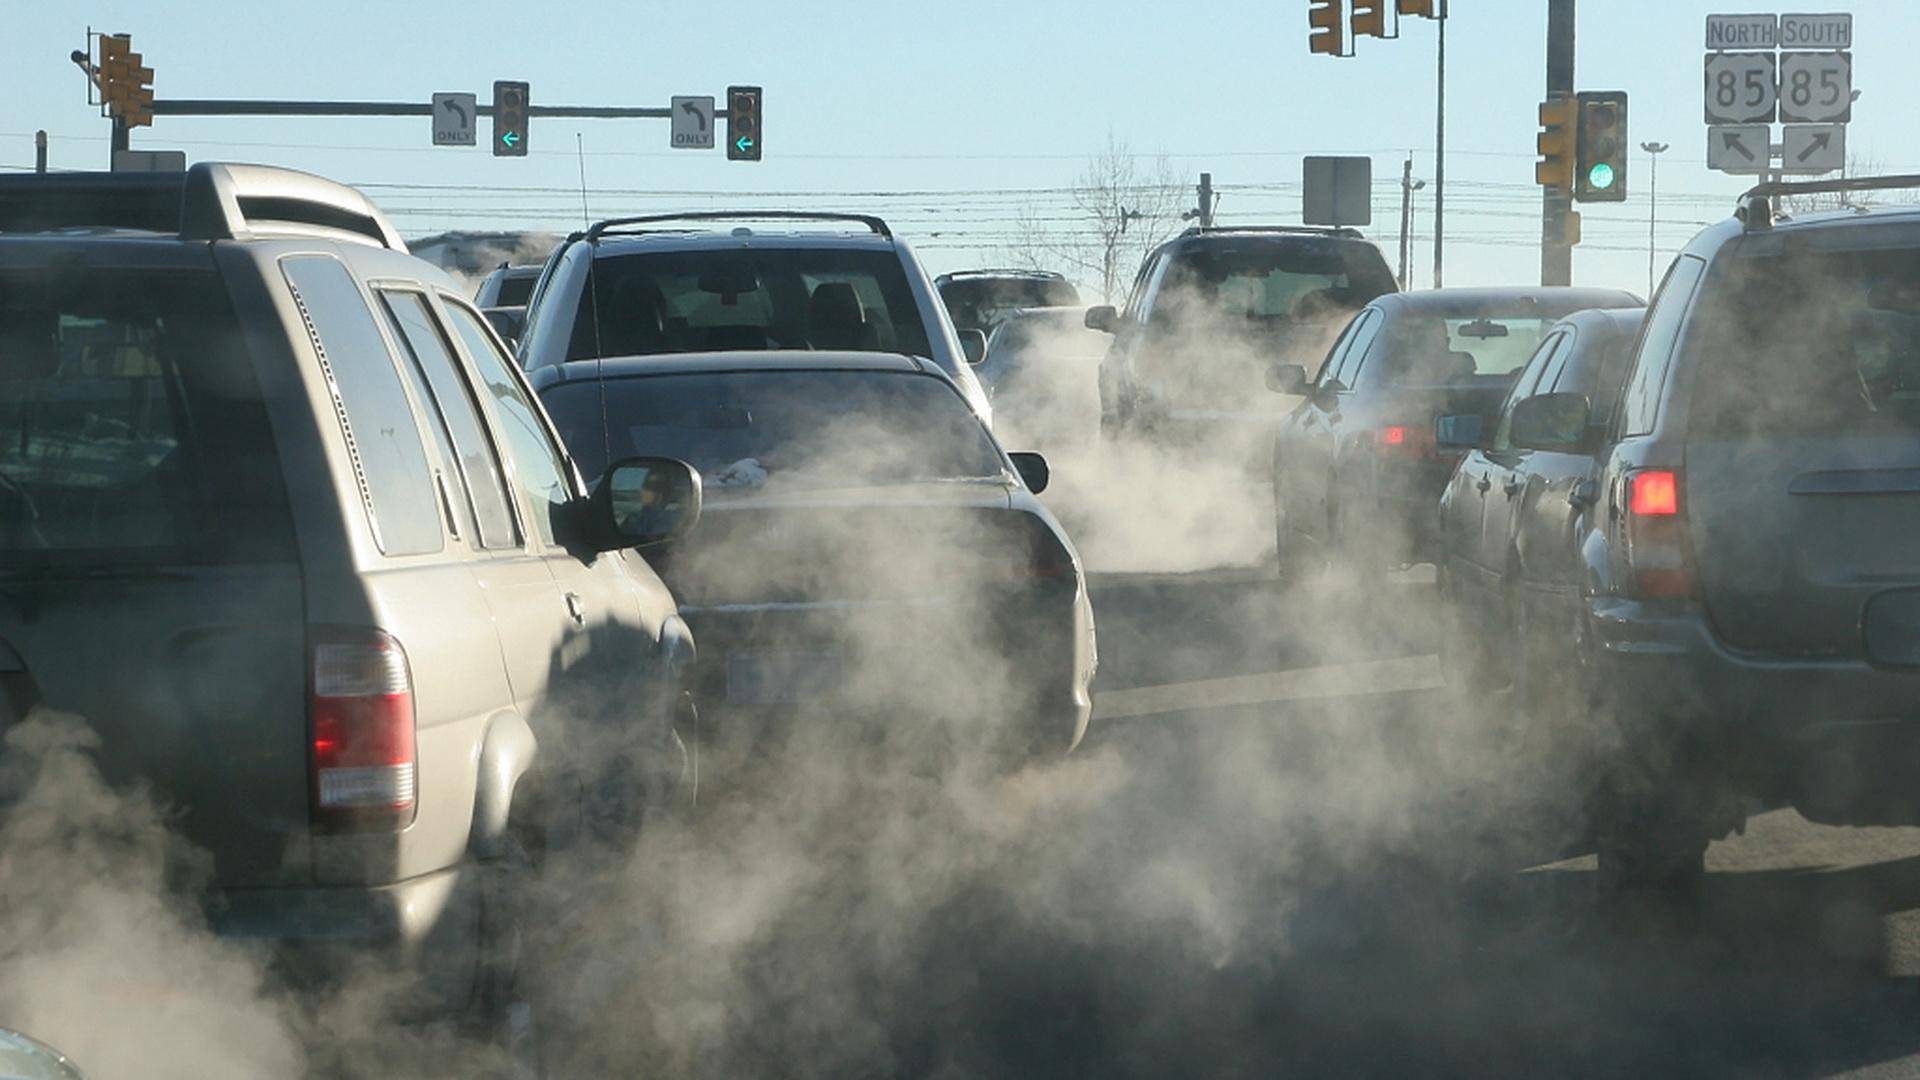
[(282, 523), (660, 288)]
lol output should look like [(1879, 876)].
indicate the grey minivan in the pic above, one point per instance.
[(280, 519)]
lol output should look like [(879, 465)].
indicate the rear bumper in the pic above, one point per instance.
[(430, 925)]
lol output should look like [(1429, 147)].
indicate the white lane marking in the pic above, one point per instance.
[(1329, 681)]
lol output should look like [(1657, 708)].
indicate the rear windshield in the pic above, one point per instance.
[(1437, 350), (131, 425), (743, 430), (1301, 279), (1809, 343), (724, 299), (981, 303), (514, 290), (1048, 338)]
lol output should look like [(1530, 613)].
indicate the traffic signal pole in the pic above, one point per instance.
[(1440, 153), (1556, 254)]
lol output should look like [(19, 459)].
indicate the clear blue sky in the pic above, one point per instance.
[(991, 105)]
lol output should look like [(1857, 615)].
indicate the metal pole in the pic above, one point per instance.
[(1406, 214), (1556, 255), (1654, 150), (1206, 200), (1440, 150), (40, 151)]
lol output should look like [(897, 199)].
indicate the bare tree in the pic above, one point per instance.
[(1121, 209), (1815, 202)]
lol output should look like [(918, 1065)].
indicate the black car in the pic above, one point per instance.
[(1509, 571), (980, 299), (1749, 619), (1356, 469), (1211, 311), (865, 545)]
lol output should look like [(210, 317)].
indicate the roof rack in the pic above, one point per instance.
[(1755, 209), (1023, 271), (607, 227), (1320, 230), (211, 201)]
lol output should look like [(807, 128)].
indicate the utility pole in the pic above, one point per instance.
[(40, 151), (1206, 200), (1408, 185), (1556, 255), (1654, 150), (1440, 150)]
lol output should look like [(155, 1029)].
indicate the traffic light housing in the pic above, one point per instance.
[(510, 119), (1422, 8), (126, 87), (743, 123), (1558, 119), (1600, 172), (1369, 18), (1326, 28)]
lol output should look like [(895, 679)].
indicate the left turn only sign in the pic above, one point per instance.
[(453, 119)]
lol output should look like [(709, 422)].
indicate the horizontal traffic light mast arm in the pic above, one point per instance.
[(231, 107)]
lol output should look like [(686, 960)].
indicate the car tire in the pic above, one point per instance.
[(507, 1000), (1293, 560)]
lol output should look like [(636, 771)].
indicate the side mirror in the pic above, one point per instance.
[(1460, 431), (30, 1058), (973, 343), (1552, 422), (643, 501), (1287, 379), (508, 322), (1101, 317), (1033, 469)]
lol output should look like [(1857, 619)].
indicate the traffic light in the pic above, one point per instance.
[(1422, 8), (1570, 227), (1325, 36), (1557, 122), (126, 88), (743, 123), (1369, 18), (1601, 171), (510, 119)]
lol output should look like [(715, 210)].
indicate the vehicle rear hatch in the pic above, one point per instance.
[(149, 583), (1801, 476)]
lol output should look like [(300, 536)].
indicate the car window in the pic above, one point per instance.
[(1640, 398), (1808, 342), (1363, 338), (1426, 349), (801, 428), (1140, 304), (396, 481), (539, 470), (451, 399), (1596, 371), (132, 430), (514, 290), (712, 299), (1330, 363), (1551, 353)]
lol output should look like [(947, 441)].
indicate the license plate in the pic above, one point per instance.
[(783, 676)]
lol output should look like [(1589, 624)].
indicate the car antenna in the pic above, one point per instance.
[(593, 298)]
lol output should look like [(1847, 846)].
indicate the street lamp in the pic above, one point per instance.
[(1654, 150)]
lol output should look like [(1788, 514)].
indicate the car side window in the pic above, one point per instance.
[(1149, 289), (1363, 339), (1640, 400), (1552, 352), (539, 470), (1330, 363), (396, 482), (450, 396)]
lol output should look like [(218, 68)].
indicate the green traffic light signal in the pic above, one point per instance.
[(1600, 177)]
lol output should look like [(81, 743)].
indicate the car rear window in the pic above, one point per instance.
[(811, 428), (1300, 279), (514, 290), (132, 429), (746, 298), (1809, 343), (981, 303)]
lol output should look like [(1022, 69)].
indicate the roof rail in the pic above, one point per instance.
[(1023, 271), (1320, 230), (604, 228), (211, 201), (1755, 209)]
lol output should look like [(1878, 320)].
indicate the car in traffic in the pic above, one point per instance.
[(1509, 569), (980, 299), (653, 285), (283, 523), (1210, 311), (1356, 470), (1042, 372), (865, 547), (507, 285), (1748, 623), (26, 1058)]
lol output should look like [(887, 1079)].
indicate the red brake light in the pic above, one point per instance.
[(364, 770), (1394, 436), (1655, 492)]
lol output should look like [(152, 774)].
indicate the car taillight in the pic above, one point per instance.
[(363, 757), (1412, 441), (1657, 551)]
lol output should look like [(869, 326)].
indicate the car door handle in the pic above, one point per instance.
[(577, 608), (1484, 484), (1511, 487)]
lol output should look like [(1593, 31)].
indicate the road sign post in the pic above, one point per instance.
[(1792, 68)]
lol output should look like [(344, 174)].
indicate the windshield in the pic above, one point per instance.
[(1304, 279), (716, 299), (515, 288), (981, 303), (131, 427), (745, 430)]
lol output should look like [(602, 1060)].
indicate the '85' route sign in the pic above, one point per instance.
[(1816, 87)]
